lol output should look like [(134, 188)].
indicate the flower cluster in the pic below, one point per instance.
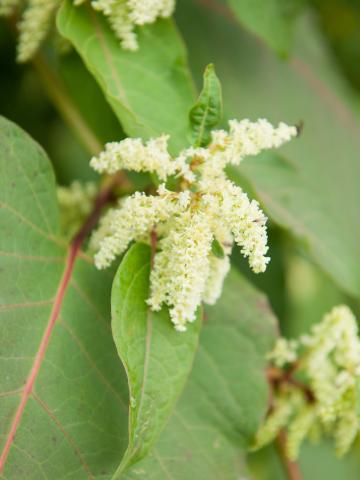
[(75, 202), (329, 361), (123, 15), (206, 208)]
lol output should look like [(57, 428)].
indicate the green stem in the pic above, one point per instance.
[(57, 93)]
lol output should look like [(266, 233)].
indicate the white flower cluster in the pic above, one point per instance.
[(126, 15), (34, 26), (123, 15), (330, 363), (75, 202), (284, 352), (206, 208)]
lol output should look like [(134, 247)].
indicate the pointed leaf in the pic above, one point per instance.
[(226, 395), (206, 114), (156, 357), (149, 90)]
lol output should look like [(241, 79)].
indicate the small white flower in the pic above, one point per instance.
[(284, 352), (218, 269)]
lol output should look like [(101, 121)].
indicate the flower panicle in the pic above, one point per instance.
[(329, 360), (206, 207), (124, 17)]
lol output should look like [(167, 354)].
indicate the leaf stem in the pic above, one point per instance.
[(291, 468), (57, 93)]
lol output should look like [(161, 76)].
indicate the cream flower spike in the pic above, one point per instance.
[(206, 210), (124, 17), (34, 26), (328, 362)]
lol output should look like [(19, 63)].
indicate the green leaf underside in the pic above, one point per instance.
[(156, 357), (149, 90), (272, 20), (225, 397), (315, 195), (74, 422), (206, 114)]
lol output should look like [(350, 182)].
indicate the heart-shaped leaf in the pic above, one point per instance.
[(63, 397)]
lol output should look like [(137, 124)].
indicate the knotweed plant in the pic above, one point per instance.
[(136, 296), (316, 382), (124, 16), (195, 223)]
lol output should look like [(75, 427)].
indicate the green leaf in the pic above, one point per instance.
[(156, 357), (217, 249), (63, 390), (225, 397), (206, 114), (315, 195), (149, 90), (272, 20)]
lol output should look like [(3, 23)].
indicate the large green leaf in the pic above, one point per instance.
[(316, 194), (272, 20), (63, 400), (226, 395), (156, 357), (149, 90)]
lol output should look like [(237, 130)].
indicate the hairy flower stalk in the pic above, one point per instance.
[(205, 208), (329, 360), (75, 202), (124, 17)]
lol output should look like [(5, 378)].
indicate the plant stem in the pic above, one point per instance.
[(153, 238), (276, 376), (57, 93), (291, 468), (104, 197)]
